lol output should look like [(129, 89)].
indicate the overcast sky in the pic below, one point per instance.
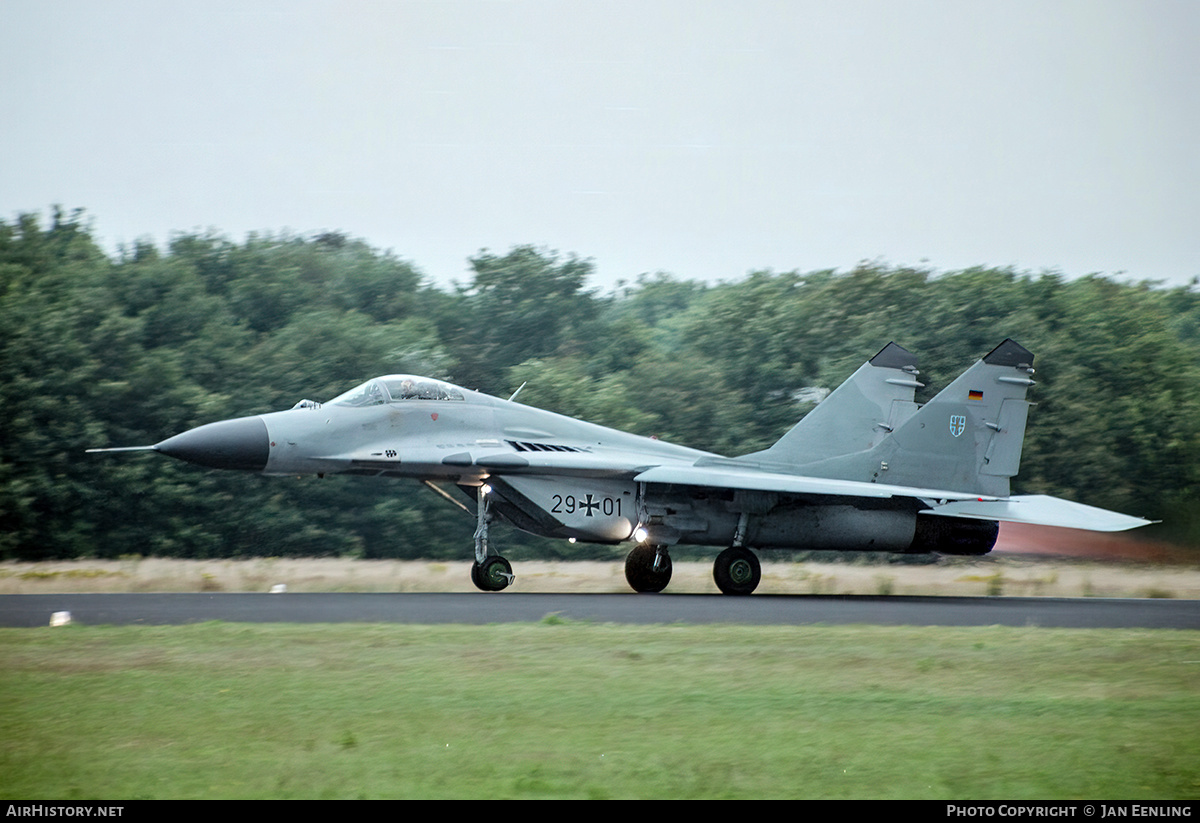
[(704, 139)]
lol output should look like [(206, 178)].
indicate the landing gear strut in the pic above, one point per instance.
[(648, 568), (489, 573), (737, 571)]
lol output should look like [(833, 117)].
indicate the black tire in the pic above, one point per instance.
[(737, 571), (640, 571), (493, 575)]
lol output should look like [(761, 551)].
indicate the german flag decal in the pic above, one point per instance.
[(974, 394)]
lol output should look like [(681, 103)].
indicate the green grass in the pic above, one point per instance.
[(563, 709)]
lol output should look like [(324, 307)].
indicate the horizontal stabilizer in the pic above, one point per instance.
[(1041, 510)]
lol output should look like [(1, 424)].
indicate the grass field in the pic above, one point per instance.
[(575, 710), (563, 709)]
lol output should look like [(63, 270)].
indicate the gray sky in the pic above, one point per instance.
[(705, 139)]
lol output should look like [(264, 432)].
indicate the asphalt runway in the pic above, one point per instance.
[(29, 610)]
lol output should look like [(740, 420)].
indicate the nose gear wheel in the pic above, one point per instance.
[(493, 575)]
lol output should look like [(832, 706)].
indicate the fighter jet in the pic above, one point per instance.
[(868, 469)]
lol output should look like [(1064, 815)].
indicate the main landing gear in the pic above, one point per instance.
[(489, 573), (648, 568), (737, 571)]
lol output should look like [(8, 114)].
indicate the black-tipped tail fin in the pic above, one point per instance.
[(969, 437), (858, 415)]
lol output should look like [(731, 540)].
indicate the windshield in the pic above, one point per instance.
[(397, 388), (405, 387), (370, 393)]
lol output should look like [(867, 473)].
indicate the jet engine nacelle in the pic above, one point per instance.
[(798, 524), (833, 528), (776, 522), (954, 535)]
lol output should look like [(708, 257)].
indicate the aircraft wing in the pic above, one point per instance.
[(724, 477), (1036, 509)]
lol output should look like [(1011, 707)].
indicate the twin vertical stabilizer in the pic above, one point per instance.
[(968, 438)]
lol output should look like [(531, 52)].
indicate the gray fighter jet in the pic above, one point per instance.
[(868, 469)]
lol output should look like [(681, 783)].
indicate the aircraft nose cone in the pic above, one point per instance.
[(230, 444)]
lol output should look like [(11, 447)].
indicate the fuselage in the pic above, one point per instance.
[(559, 476)]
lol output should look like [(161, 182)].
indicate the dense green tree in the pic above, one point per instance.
[(127, 350), (522, 305)]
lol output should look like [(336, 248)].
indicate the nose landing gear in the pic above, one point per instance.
[(489, 573), (493, 575)]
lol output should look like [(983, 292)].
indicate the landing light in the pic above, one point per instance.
[(487, 489), (640, 534)]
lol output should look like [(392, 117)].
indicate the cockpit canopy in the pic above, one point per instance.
[(396, 388)]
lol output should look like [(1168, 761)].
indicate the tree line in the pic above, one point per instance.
[(127, 349)]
